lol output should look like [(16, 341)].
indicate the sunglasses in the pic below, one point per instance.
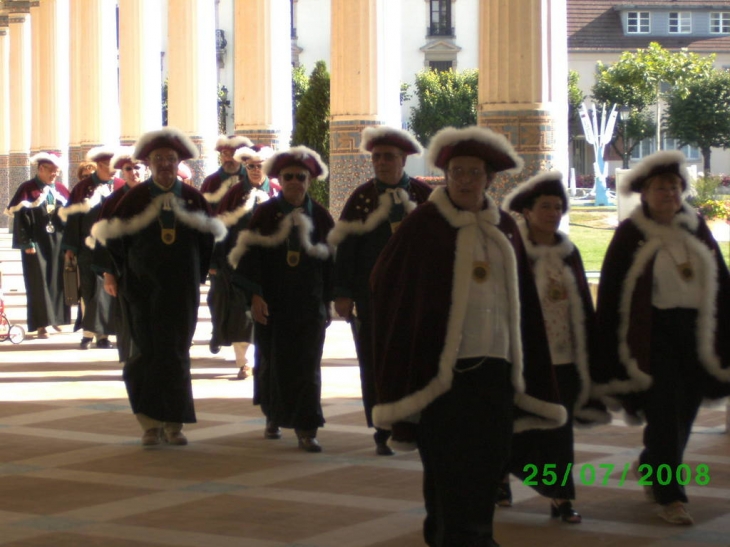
[(301, 177), (252, 166), (137, 168)]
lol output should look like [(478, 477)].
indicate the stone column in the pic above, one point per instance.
[(262, 54), (52, 94), (35, 64), (523, 81), (139, 68), (192, 77), (94, 78), (20, 97), (4, 117), (354, 94)]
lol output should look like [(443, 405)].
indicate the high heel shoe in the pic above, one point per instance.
[(565, 511), (504, 495)]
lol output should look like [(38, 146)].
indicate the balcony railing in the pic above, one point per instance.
[(439, 30)]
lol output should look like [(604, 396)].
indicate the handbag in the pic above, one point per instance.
[(71, 282)]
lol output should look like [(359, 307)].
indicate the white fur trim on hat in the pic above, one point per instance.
[(232, 141), (246, 153), (167, 137), (633, 179), (392, 136), (296, 154), (99, 152), (530, 184), (450, 137), (45, 156), (123, 155)]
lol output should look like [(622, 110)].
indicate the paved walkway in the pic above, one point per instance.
[(72, 472)]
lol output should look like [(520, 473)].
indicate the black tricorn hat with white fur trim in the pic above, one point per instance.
[(523, 196), (298, 155), (479, 142), (234, 142), (168, 137), (45, 157), (384, 135), (659, 163), (100, 152)]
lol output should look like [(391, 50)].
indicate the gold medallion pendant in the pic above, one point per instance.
[(168, 236), (292, 258), (480, 271), (685, 271), (394, 226), (556, 291)]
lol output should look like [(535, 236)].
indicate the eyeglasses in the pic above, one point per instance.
[(387, 156), (301, 177), (252, 166), (135, 168), (459, 173)]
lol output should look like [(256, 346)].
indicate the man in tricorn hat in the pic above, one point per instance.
[(80, 214), (371, 215), (229, 173), (161, 237), (448, 326), (37, 232), (283, 261)]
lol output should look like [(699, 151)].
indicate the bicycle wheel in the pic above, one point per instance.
[(4, 328), (16, 334)]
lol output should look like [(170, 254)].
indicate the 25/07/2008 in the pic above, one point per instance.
[(588, 474)]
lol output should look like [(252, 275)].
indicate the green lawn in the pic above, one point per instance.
[(591, 229)]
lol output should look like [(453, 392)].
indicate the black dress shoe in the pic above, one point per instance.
[(565, 511), (310, 444), (382, 449), (85, 343), (272, 431), (104, 343), (214, 347)]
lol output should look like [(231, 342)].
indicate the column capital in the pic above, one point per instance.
[(16, 6)]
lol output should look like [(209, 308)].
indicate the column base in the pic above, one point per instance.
[(76, 156), (265, 137), (4, 189), (18, 171), (349, 168), (532, 133)]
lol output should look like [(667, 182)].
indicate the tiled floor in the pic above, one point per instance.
[(72, 472)]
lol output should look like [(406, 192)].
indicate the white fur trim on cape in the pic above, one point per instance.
[(232, 141), (542, 257), (372, 133), (10, 211), (450, 136), (113, 228), (255, 197), (467, 224), (530, 184), (344, 228), (100, 151), (664, 157), (45, 156), (100, 192), (215, 197), (706, 329), (247, 238)]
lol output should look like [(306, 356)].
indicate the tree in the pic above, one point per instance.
[(575, 99), (312, 123), (700, 115), (299, 85), (447, 98), (636, 80)]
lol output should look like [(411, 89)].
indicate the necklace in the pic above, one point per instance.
[(686, 272)]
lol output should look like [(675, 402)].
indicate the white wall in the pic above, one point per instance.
[(313, 21)]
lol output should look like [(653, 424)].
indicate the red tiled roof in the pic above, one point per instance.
[(594, 25)]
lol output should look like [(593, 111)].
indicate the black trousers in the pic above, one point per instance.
[(539, 447), (464, 440), (673, 399)]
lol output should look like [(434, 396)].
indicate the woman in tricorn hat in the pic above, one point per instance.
[(664, 295)]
